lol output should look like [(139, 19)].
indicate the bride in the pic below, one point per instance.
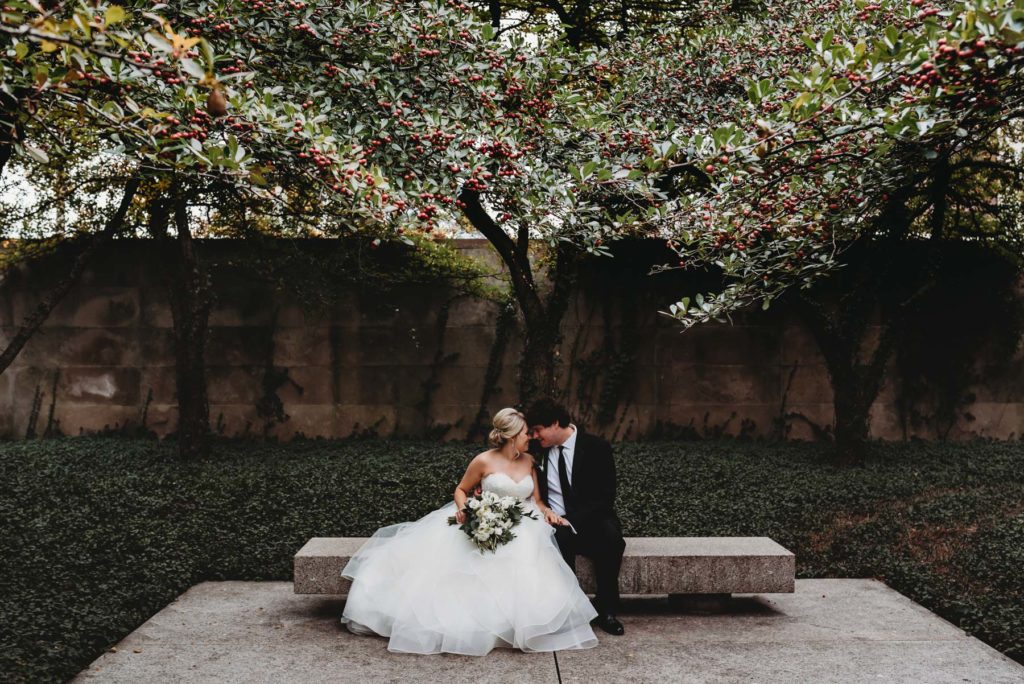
[(424, 585)]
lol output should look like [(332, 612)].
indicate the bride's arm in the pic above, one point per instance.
[(468, 483)]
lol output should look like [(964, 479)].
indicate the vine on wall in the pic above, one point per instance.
[(431, 429), (269, 406), (628, 297), (965, 332), (504, 326)]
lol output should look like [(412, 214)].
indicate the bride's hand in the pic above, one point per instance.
[(460, 516), (553, 518)]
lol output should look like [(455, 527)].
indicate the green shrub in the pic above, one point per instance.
[(98, 534)]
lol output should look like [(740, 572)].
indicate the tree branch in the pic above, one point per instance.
[(519, 267), (54, 296)]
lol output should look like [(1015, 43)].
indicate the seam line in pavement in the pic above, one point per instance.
[(558, 673)]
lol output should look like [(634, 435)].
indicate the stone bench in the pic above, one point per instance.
[(650, 565)]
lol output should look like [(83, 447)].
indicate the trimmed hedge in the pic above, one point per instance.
[(98, 534)]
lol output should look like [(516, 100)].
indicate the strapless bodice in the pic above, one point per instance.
[(502, 484)]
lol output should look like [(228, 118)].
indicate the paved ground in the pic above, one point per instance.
[(828, 631)]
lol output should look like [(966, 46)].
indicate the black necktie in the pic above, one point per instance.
[(563, 478)]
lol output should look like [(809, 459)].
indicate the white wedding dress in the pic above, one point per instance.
[(424, 585)]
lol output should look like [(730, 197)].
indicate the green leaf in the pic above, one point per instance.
[(193, 68), (754, 94), (36, 153), (208, 57), (82, 22), (158, 41), (722, 135), (114, 15), (891, 38), (826, 40)]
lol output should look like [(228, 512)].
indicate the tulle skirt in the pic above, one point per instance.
[(427, 588)]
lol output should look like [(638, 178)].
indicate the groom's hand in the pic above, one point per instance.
[(553, 518)]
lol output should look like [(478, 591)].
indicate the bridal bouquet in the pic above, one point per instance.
[(490, 519)]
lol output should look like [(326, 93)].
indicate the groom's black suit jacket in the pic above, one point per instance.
[(592, 479)]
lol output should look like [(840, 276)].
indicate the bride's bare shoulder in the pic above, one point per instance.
[(482, 458)]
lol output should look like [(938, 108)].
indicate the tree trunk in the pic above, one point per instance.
[(10, 129), (538, 366), (855, 380), (539, 362), (543, 337), (839, 335), (189, 297), (852, 397), (7, 132), (55, 295), (575, 28), (840, 331)]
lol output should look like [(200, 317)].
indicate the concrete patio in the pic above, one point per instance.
[(829, 630)]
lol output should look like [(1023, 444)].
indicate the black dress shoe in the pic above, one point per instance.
[(609, 624)]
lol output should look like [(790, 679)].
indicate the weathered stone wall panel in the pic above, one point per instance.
[(372, 363)]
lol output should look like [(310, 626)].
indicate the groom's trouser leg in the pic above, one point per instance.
[(602, 542), (566, 541)]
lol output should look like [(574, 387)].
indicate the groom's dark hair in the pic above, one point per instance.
[(547, 411)]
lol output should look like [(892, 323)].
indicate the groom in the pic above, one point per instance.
[(577, 481)]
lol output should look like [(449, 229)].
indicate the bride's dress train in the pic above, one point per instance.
[(424, 585)]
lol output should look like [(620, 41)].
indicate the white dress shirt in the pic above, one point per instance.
[(555, 500)]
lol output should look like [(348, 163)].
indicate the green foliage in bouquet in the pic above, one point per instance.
[(490, 519)]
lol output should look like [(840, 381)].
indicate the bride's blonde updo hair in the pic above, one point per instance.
[(508, 423)]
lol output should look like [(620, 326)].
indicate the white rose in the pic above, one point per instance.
[(508, 502), (473, 504)]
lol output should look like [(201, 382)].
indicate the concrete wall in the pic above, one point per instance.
[(380, 364)]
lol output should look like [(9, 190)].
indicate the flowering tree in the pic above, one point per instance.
[(791, 148), (388, 117), (755, 149), (812, 158)]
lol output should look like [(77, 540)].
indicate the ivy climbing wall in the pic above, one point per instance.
[(436, 361)]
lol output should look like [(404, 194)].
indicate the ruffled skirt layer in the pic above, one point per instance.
[(427, 588)]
